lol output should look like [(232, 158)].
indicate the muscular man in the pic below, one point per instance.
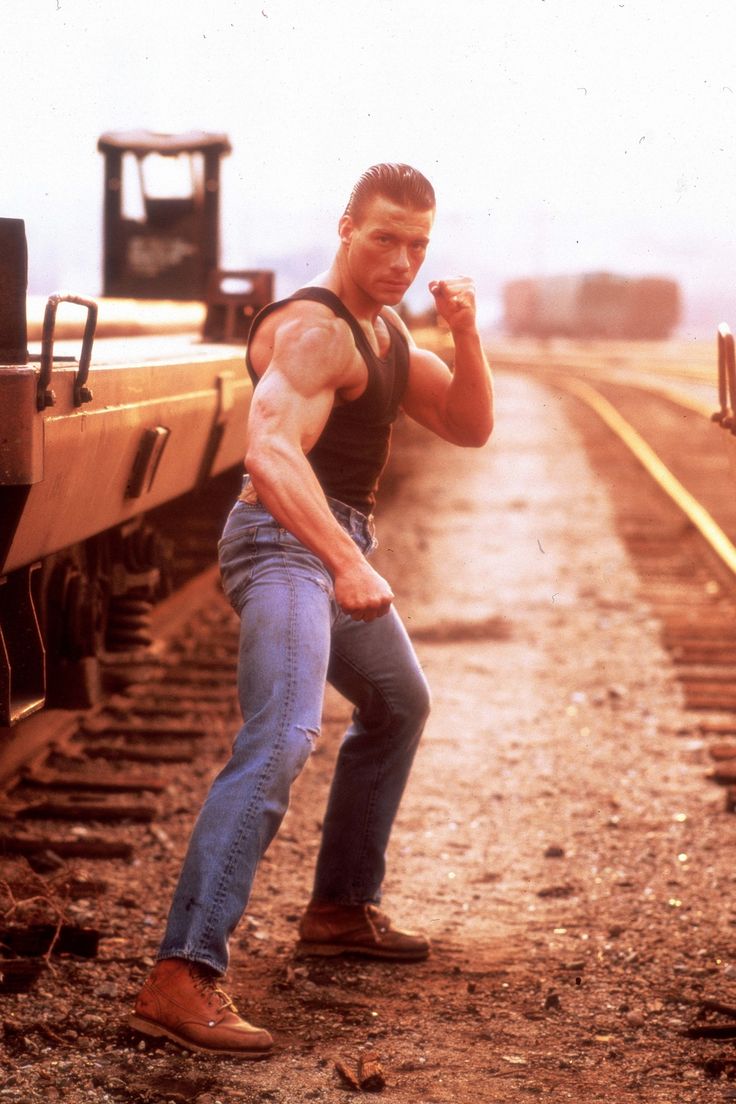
[(332, 366)]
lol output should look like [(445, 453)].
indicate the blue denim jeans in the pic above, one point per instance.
[(293, 638)]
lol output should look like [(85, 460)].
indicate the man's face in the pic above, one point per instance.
[(385, 249)]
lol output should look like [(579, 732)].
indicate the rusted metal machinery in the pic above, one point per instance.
[(87, 447), (233, 300), (161, 225), (161, 228), (592, 305)]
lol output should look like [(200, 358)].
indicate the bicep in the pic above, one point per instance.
[(427, 389), (295, 395)]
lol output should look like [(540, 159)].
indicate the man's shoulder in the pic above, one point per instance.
[(306, 332), (300, 316)]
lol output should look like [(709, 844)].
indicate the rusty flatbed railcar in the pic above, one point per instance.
[(88, 445), (155, 428)]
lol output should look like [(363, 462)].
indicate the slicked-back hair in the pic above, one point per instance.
[(400, 183)]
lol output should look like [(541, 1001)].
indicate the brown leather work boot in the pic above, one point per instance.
[(332, 929), (182, 1001)]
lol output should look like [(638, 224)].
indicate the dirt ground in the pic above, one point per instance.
[(559, 840)]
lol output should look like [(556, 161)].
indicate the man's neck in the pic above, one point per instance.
[(336, 278)]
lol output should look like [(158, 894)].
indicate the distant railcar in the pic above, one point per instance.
[(600, 305)]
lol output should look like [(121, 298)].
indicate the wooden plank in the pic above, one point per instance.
[(82, 807), (89, 848), (93, 783), (156, 754)]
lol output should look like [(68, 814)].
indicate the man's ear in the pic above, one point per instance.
[(345, 229)]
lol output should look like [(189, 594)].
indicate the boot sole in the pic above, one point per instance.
[(157, 1031), (333, 950)]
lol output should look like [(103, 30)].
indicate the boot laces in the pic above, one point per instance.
[(379, 919), (206, 984)]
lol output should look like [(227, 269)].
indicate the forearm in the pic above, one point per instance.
[(288, 488), (469, 400)]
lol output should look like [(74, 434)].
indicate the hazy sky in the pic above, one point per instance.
[(561, 135)]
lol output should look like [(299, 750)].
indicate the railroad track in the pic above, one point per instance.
[(671, 487), (646, 413)]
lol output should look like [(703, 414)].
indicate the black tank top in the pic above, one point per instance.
[(352, 450)]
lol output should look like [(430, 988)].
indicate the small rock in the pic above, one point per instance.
[(635, 1019), (554, 851), (162, 835), (47, 862), (346, 1075), (557, 891), (713, 1068), (109, 989), (370, 1074), (91, 1020), (288, 979)]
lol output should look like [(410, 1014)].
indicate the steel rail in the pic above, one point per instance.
[(694, 373), (653, 387), (689, 402), (696, 513), (574, 361)]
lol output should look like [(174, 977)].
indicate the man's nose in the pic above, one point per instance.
[(401, 260)]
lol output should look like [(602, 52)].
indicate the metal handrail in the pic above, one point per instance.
[(44, 395)]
